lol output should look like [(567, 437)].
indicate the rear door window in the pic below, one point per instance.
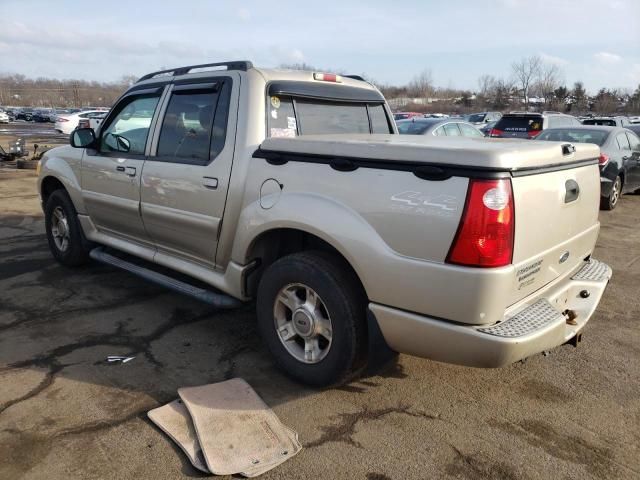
[(194, 125), (469, 131), (634, 141), (451, 130), (623, 142)]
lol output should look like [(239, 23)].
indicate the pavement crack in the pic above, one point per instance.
[(345, 430)]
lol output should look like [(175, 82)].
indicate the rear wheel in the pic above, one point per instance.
[(311, 314), (610, 202), (64, 233)]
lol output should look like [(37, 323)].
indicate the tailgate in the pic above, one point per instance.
[(556, 225)]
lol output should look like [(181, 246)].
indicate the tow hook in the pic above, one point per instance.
[(571, 316)]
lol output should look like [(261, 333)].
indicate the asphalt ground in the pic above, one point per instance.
[(67, 413)]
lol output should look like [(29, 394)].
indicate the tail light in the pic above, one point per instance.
[(327, 77), (533, 133), (486, 231), (62, 119), (495, 132), (603, 159)]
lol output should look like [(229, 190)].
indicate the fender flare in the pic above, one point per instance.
[(60, 169)]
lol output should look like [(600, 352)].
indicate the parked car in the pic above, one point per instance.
[(618, 121), (487, 127), (69, 122), (93, 121), (529, 125), (351, 239), (25, 114), (406, 115), (4, 117), (483, 118), (40, 116), (448, 127), (619, 157), (635, 128)]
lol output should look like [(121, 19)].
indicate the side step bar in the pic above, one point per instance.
[(212, 298)]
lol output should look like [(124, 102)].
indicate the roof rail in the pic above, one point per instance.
[(242, 65), (551, 111), (355, 77)]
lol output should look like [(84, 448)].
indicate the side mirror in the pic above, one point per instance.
[(117, 143), (82, 138)]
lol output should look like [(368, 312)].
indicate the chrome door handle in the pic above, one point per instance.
[(210, 182), (131, 171)]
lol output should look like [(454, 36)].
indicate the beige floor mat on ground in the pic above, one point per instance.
[(174, 420), (226, 428)]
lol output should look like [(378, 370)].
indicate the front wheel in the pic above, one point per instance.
[(610, 202), (312, 315), (64, 233)]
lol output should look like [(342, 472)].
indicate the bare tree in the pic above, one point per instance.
[(549, 79), (525, 72), (422, 85), (487, 84)]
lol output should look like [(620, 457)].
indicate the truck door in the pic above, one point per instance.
[(111, 173), (185, 180)]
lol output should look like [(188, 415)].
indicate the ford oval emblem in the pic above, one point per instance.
[(564, 257)]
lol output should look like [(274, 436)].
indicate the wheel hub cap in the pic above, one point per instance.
[(302, 323)]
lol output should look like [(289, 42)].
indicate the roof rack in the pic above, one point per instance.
[(552, 111), (242, 65), (355, 77)]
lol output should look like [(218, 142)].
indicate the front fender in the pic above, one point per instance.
[(63, 163)]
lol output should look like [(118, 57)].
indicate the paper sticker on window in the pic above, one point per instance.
[(274, 114), (291, 123), (283, 132), (275, 102)]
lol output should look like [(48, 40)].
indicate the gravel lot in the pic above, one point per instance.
[(66, 413)]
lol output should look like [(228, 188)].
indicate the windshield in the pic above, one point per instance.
[(476, 117), (574, 135), (607, 122)]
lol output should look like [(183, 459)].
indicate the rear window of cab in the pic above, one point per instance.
[(289, 116)]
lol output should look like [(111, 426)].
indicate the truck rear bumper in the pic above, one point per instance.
[(542, 324)]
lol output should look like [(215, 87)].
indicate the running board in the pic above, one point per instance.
[(212, 298)]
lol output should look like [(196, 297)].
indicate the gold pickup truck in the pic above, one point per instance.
[(293, 189)]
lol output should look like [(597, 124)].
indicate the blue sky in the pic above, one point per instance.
[(596, 41)]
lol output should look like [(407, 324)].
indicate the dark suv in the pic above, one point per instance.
[(618, 121), (529, 125)]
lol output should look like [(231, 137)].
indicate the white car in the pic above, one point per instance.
[(68, 123), (4, 118)]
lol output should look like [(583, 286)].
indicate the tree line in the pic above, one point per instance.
[(531, 80)]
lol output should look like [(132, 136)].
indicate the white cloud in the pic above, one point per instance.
[(606, 57), (244, 14), (553, 60)]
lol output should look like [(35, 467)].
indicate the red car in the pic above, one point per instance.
[(406, 115)]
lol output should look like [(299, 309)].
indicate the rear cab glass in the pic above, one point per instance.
[(289, 116)]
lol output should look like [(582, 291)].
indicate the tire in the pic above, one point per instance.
[(610, 202), (61, 223), (339, 298)]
